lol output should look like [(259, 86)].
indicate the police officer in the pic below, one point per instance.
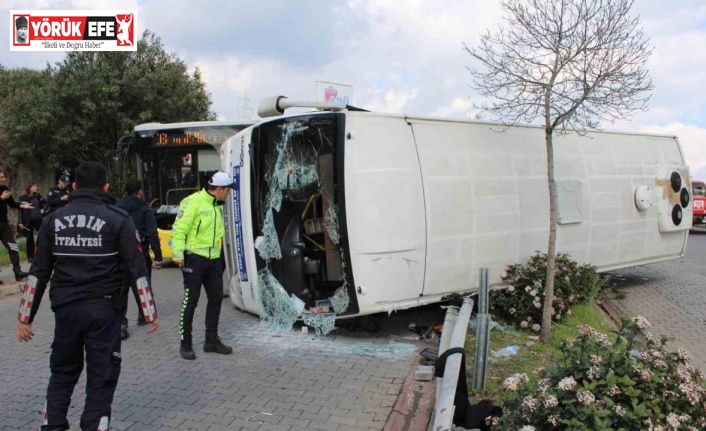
[(58, 195), (196, 244), (85, 247)]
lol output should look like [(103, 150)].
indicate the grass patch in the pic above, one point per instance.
[(5, 255), (531, 353)]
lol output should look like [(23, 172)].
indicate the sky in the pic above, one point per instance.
[(399, 56)]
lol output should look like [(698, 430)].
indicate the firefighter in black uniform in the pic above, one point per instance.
[(58, 195), (8, 240), (87, 248)]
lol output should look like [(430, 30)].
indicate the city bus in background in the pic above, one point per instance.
[(174, 160), (698, 191)]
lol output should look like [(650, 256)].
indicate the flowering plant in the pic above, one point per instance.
[(610, 385), (521, 302)]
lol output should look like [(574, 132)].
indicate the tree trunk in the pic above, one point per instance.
[(546, 331)]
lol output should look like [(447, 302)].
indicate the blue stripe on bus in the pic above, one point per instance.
[(237, 216)]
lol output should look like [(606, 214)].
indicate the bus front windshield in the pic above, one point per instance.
[(295, 181), (174, 163)]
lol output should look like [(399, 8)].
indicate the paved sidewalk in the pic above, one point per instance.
[(290, 381), (272, 381), (672, 296)]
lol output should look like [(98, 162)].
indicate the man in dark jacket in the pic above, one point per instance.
[(6, 236), (86, 247), (146, 224), (58, 195)]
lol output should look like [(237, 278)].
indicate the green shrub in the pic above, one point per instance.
[(521, 302), (610, 385)]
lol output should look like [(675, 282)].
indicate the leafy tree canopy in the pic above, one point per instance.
[(79, 108), (25, 115)]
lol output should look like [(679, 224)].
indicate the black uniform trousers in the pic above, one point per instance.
[(33, 228), (133, 287), (9, 242), (92, 325), (198, 271)]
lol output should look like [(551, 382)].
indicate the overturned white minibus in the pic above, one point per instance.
[(352, 212)]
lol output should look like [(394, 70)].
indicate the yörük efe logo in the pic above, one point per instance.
[(67, 30)]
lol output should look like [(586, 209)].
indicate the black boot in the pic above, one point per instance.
[(214, 344), (141, 321), (186, 351), (19, 274), (124, 333)]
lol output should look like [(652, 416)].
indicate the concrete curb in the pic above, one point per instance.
[(10, 286), (414, 406), (8, 289), (612, 311)]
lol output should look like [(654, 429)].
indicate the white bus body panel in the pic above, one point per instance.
[(384, 211), (429, 202), (240, 244), (488, 201), (231, 279)]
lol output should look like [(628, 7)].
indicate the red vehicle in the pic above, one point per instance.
[(698, 191)]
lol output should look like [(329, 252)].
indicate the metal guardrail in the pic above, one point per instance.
[(453, 335), (480, 358), (449, 322), (444, 409)]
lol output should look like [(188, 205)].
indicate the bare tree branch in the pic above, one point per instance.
[(589, 55), (571, 63)]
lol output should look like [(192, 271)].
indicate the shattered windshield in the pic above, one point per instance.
[(301, 263)]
